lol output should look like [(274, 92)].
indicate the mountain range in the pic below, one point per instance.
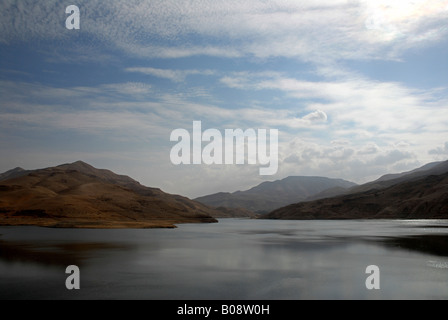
[(79, 195), (418, 194), (268, 196)]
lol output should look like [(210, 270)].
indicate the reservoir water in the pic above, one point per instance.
[(232, 259)]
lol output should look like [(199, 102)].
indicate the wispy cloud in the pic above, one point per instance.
[(385, 107), (158, 65), (308, 30), (173, 75), (118, 106)]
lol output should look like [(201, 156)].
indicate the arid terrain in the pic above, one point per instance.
[(80, 196), (419, 194)]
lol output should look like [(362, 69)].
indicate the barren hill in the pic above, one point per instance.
[(79, 195), (417, 195)]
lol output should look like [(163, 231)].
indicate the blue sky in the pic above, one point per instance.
[(356, 88)]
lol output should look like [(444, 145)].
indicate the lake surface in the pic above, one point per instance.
[(232, 259)]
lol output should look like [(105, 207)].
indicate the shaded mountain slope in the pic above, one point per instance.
[(416, 198), (385, 181), (415, 172), (435, 168), (79, 195), (268, 196)]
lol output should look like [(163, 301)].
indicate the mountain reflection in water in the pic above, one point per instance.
[(233, 259)]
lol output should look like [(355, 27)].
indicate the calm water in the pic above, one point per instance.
[(233, 259)]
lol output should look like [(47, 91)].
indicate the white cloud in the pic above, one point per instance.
[(346, 159), (124, 106), (316, 116), (309, 30), (340, 142), (391, 157), (353, 102), (370, 148), (173, 75), (440, 151), (129, 88), (23, 93)]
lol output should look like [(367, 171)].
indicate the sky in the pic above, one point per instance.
[(355, 88)]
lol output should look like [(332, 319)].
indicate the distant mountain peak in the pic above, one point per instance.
[(12, 173), (76, 164), (82, 163), (270, 195)]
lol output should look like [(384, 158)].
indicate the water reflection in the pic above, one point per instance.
[(57, 254), (234, 259), (433, 244)]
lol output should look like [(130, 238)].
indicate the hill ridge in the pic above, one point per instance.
[(417, 195), (79, 195), (270, 195)]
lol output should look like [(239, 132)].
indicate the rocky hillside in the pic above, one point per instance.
[(417, 195), (79, 195)]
